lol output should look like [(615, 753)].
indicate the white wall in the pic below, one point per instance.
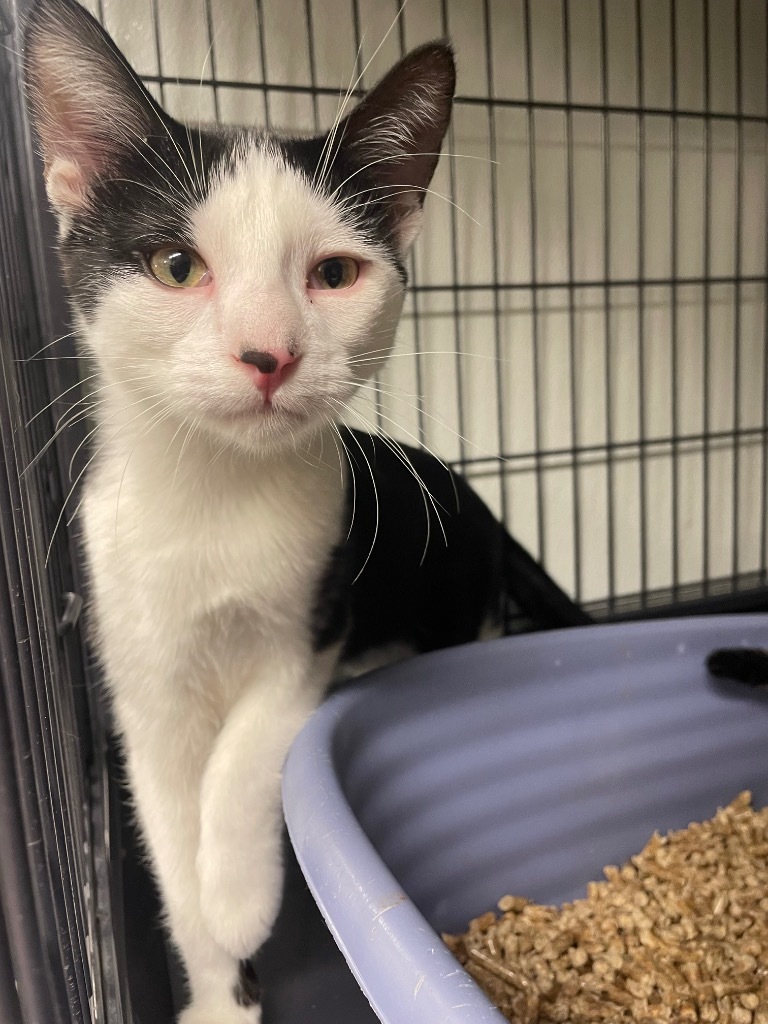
[(551, 376)]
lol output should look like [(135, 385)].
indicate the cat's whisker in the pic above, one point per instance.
[(128, 128), (390, 159), (85, 397), (154, 421), (416, 441), (198, 171), (9, 49), (81, 414), (200, 94), (195, 175), (321, 453), (175, 195), (371, 384), (325, 153), (179, 193), (360, 77), (333, 428), (394, 393), (143, 184), (75, 511), (308, 459), (84, 441), (184, 444), (169, 446), (390, 194), (56, 359), (58, 398), (353, 479), (99, 426), (426, 494), (55, 341), (210, 464), (376, 499), (335, 461), (314, 460), (77, 480), (372, 357), (194, 182), (387, 189), (82, 406)]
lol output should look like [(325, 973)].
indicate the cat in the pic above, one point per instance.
[(231, 288)]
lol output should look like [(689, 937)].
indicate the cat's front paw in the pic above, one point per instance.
[(239, 906), (237, 1003)]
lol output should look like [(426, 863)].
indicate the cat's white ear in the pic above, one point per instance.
[(87, 103), (395, 134)]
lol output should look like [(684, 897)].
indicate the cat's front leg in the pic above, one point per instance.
[(239, 859), (165, 763)]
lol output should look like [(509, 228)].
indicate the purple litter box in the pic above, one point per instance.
[(416, 799)]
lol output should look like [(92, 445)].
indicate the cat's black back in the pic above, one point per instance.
[(425, 564)]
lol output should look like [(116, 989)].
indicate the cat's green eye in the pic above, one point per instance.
[(336, 272), (177, 267)]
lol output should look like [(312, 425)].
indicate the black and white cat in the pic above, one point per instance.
[(231, 289)]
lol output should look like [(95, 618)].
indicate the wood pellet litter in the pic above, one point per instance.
[(679, 933)]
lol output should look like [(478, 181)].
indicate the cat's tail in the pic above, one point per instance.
[(536, 593), (742, 664)]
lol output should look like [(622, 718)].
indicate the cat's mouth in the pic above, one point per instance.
[(279, 413), (272, 412)]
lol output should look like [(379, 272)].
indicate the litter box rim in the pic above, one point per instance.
[(397, 958)]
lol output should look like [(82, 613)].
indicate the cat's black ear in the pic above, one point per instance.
[(88, 105), (395, 133)]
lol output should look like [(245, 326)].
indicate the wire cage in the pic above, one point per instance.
[(50, 963), (584, 337)]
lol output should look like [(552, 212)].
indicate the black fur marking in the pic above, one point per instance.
[(419, 587), (147, 204), (357, 194), (248, 988), (743, 664), (330, 614)]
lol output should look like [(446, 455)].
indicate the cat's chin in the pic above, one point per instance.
[(283, 425), (267, 417), (265, 431)]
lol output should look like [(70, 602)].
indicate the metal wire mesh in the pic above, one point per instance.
[(50, 969)]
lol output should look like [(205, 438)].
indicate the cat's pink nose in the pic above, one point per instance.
[(269, 369)]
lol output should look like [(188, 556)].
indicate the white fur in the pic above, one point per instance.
[(208, 523)]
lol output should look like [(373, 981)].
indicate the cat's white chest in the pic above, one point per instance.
[(194, 577)]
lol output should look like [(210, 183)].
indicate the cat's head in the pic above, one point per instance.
[(239, 279)]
